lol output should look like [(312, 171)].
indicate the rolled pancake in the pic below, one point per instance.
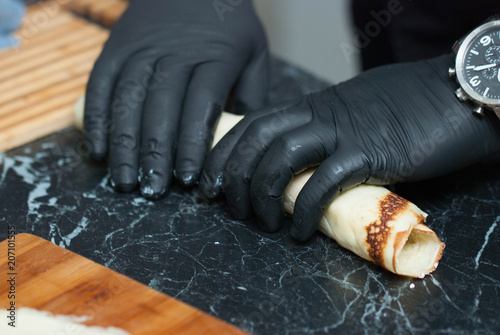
[(377, 225), (369, 220)]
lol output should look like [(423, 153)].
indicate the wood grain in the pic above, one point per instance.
[(54, 279), (42, 79)]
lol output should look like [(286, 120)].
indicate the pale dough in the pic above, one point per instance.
[(34, 322), (369, 220)]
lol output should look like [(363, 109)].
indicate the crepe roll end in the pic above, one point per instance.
[(418, 253)]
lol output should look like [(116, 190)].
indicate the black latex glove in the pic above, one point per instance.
[(161, 82), (391, 124)]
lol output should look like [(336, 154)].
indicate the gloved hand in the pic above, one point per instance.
[(11, 14), (161, 82), (391, 124)]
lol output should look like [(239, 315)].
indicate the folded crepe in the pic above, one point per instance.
[(369, 220)]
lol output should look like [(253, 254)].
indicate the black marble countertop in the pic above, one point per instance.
[(263, 283)]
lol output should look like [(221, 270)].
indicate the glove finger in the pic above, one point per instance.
[(289, 155), (206, 94), (343, 170), (251, 90), (160, 122), (248, 152), (126, 114), (211, 179), (98, 97)]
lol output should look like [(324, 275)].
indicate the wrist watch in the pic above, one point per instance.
[(477, 67)]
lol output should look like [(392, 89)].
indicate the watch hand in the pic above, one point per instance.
[(484, 67)]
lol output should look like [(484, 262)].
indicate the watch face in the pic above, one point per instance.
[(478, 64)]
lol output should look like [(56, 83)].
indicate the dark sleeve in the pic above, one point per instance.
[(391, 31)]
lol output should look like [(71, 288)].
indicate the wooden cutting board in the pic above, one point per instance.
[(54, 279), (41, 80)]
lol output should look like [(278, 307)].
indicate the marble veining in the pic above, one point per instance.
[(486, 239), (263, 283)]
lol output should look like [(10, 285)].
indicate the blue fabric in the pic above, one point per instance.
[(11, 15)]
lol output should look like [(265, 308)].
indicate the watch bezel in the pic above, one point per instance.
[(459, 66)]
